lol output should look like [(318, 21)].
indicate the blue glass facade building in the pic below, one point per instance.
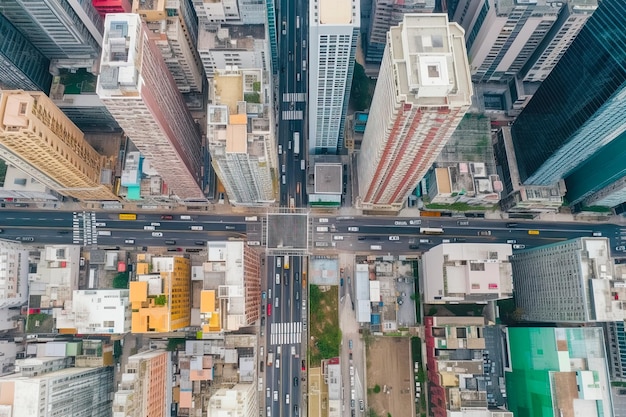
[(579, 108), (22, 66)]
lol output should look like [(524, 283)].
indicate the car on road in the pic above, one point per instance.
[(167, 217), (296, 411), (511, 225), (351, 403), (148, 227), (297, 295), (277, 279), (350, 344), (169, 242), (157, 234), (394, 237), (277, 363), (620, 248), (361, 405), (197, 227), (129, 241), (295, 382), (25, 238), (269, 310), (199, 242), (463, 223), (268, 392), (518, 246), (414, 246), (275, 395), (297, 277), (511, 241), (269, 411), (597, 234), (353, 229), (484, 233), (286, 398), (303, 365)]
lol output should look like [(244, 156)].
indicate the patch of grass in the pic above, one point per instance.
[(325, 332), (376, 389), (597, 209), (618, 384), (372, 413), (120, 281), (38, 323)]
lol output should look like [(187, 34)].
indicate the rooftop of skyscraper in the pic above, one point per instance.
[(335, 12)]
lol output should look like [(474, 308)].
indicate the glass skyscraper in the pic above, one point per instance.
[(579, 108), (22, 66)]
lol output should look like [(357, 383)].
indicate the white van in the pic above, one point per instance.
[(278, 262), (322, 228), (185, 217), (284, 180), (148, 228), (277, 279), (293, 351), (376, 247), (337, 237), (104, 233), (197, 227)]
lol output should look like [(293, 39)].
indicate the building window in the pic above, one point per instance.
[(23, 108)]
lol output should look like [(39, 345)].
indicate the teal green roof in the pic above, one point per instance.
[(134, 193)]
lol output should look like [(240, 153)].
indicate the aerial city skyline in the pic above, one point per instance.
[(318, 208)]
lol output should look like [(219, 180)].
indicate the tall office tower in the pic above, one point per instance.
[(559, 371), (139, 91), (503, 36), (112, 6), (571, 281), (252, 12), (423, 91), (333, 36), (59, 29), (615, 338), (239, 137), (37, 138), (271, 33), (384, 15), (22, 66), (212, 13), (38, 391), (175, 31), (145, 390), (578, 109)]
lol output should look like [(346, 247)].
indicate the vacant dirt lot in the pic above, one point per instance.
[(389, 367)]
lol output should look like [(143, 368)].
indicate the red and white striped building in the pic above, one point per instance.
[(422, 93)]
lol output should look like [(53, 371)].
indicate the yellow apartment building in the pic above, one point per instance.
[(160, 300), (37, 138)]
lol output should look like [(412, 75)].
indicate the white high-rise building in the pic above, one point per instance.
[(333, 36), (423, 91), (505, 38), (240, 138)]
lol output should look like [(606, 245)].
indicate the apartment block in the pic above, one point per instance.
[(333, 35), (422, 92), (37, 138), (145, 389), (384, 15), (240, 399), (13, 274), (239, 137), (95, 312), (137, 88), (467, 273), (56, 277), (174, 28), (160, 300), (229, 46), (462, 377), (229, 286), (70, 32), (67, 392), (23, 66), (212, 13), (615, 339), (506, 39), (557, 371), (569, 282)]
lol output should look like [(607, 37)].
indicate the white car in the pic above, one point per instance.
[(519, 246), (323, 220), (353, 229), (101, 224), (286, 398), (157, 234), (129, 241), (275, 395), (148, 228), (197, 227), (620, 248), (268, 392), (155, 224), (394, 237), (511, 241)]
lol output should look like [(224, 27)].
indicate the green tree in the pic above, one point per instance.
[(120, 281), (360, 91), (376, 389), (160, 300)]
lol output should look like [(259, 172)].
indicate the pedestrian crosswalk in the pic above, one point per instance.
[(84, 228), (292, 115), (286, 333), (294, 97)]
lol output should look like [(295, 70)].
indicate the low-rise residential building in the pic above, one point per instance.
[(557, 371), (464, 182), (56, 277), (570, 281), (160, 300), (13, 274), (467, 273), (145, 389), (229, 286), (95, 312), (462, 379)]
